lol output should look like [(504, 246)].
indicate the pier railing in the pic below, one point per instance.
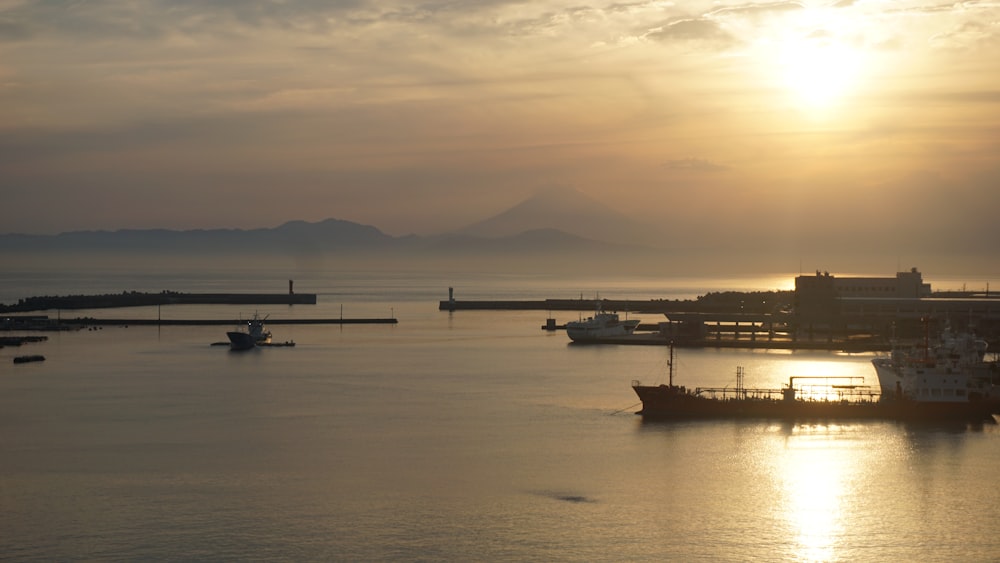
[(819, 389), (807, 393)]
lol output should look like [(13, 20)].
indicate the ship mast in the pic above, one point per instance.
[(670, 363)]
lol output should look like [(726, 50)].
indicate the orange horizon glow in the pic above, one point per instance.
[(802, 118)]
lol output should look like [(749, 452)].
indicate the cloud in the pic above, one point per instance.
[(756, 9), (694, 164), (11, 31), (415, 117), (966, 35), (697, 29)]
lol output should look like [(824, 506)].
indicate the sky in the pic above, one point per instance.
[(870, 123)]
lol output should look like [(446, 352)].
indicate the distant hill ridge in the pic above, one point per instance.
[(560, 220), (567, 210), (330, 235)]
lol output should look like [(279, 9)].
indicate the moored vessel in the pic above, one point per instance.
[(806, 398), (254, 335), (953, 369), (603, 325)]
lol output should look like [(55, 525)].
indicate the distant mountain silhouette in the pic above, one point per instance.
[(587, 248), (509, 247), (331, 234), (567, 210), (534, 241), (554, 220)]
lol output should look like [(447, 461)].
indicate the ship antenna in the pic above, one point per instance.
[(670, 363), (927, 338)]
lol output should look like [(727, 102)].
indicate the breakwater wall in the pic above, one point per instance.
[(651, 306), (88, 321), (44, 323), (141, 299)]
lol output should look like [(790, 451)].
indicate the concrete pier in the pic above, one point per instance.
[(140, 299), (652, 306), (42, 323), (222, 322)]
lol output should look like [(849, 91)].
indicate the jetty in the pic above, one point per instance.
[(140, 299), (19, 340), (44, 323), (89, 321), (38, 322), (650, 306)]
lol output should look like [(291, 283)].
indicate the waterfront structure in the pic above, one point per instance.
[(905, 285), (829, 307)]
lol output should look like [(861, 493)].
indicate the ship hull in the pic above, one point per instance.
[(590, 332), (665, 402), (240, 340)]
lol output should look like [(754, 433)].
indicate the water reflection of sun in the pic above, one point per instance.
[(815, 379), (815, 475)]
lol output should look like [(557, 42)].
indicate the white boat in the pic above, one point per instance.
[(255, 334), (603, 325), (952, 370)]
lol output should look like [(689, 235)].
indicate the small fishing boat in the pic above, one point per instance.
[(254, 335)]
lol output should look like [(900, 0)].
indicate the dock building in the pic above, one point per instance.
[(850, 312), (904, 306)]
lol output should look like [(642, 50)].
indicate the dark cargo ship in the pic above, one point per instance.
[(825, 398), (674, 402)]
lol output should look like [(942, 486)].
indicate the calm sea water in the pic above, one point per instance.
[(468, 436)]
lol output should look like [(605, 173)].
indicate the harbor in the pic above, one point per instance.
[(823, 312), (424, 393)]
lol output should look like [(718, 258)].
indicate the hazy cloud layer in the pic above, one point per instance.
[(813, 119)]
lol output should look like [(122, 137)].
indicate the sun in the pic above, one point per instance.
[(817, 59), (819, 72)]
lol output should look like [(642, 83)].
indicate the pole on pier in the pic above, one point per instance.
[(670, 363)]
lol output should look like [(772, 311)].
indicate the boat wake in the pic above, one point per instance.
[(566, 497)]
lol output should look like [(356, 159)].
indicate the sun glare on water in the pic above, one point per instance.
[(814, 476)]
